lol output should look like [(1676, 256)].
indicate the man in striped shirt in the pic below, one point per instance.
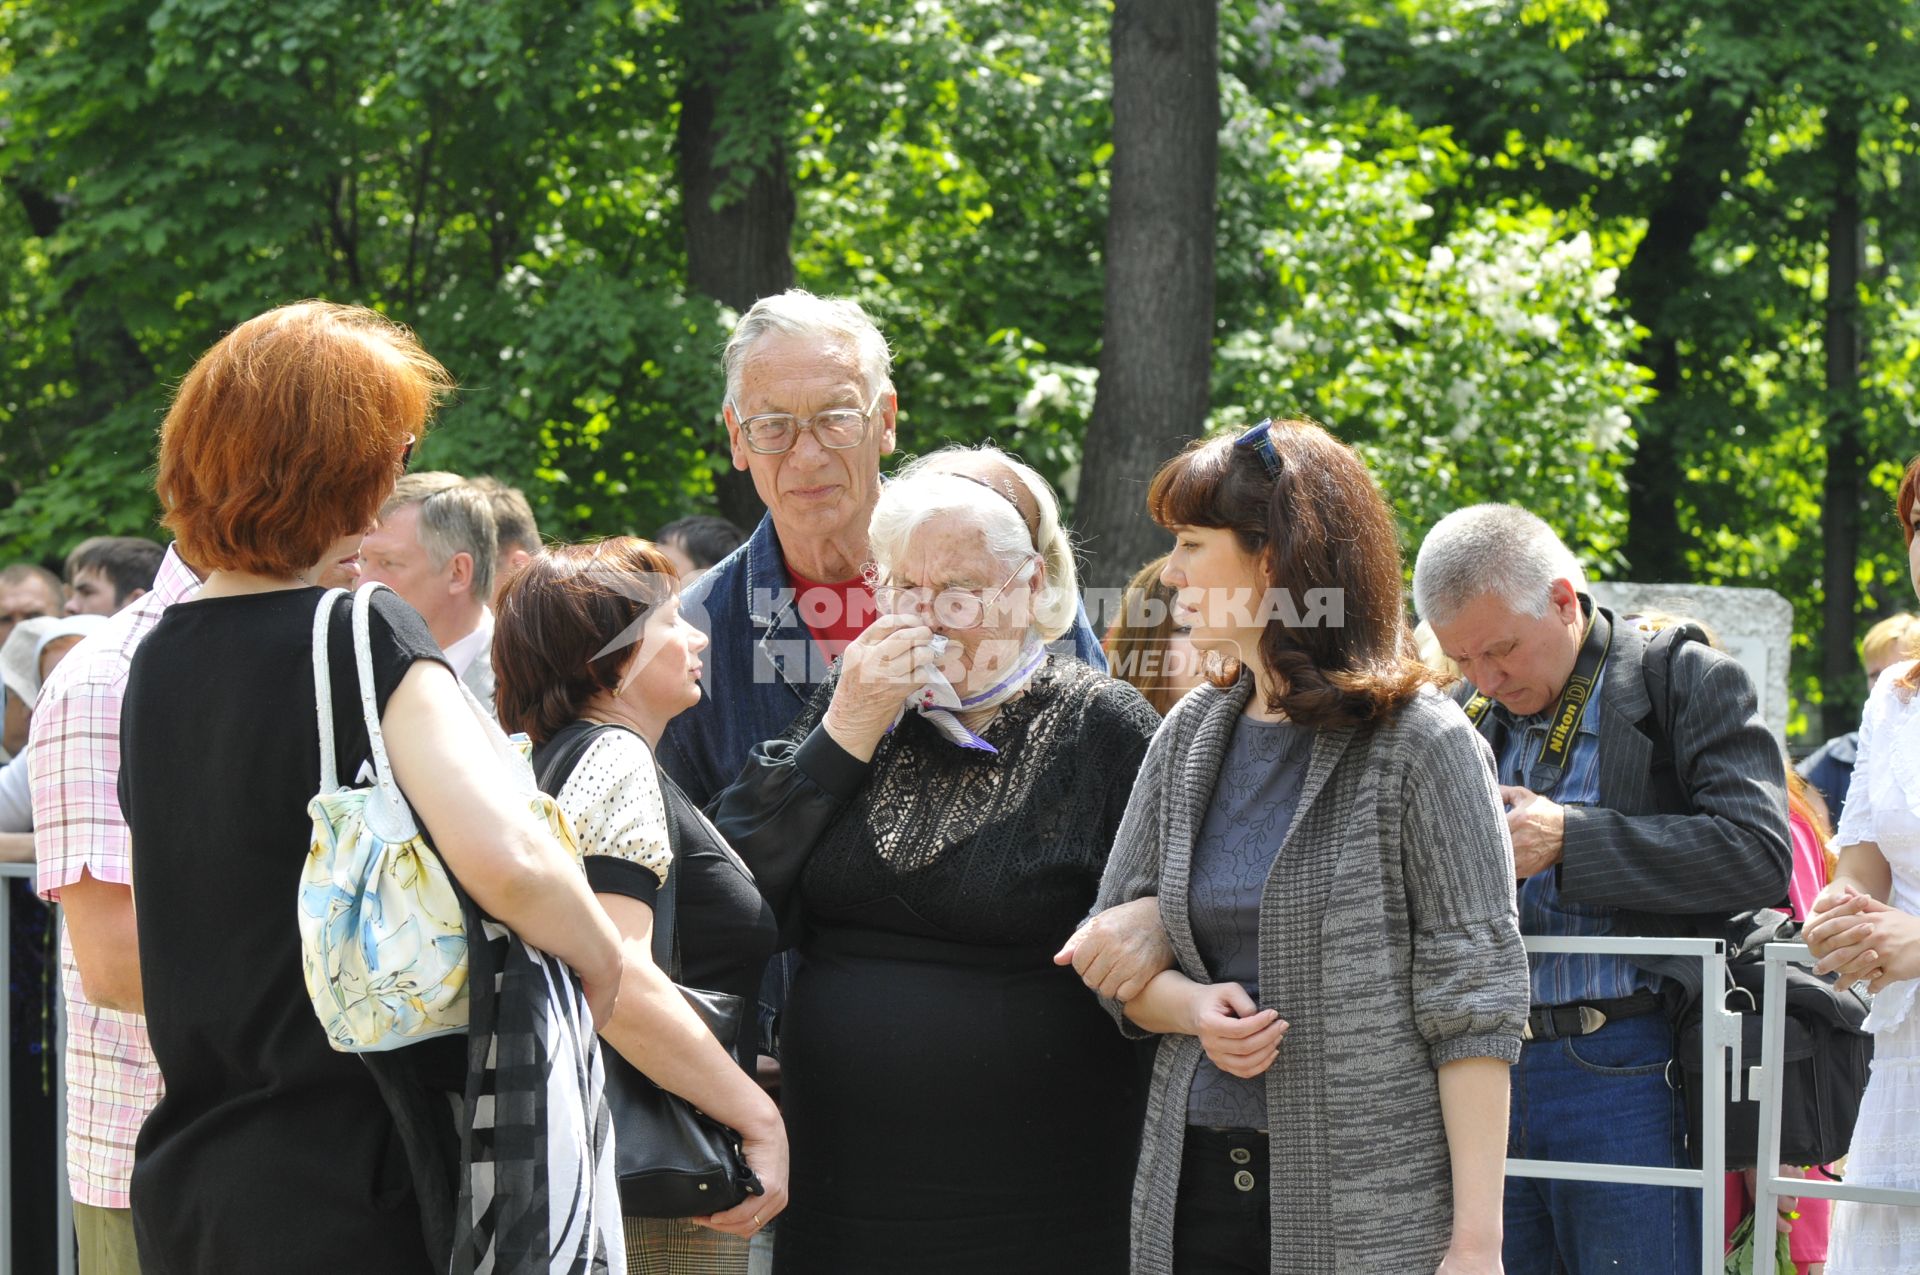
[(85, 866)]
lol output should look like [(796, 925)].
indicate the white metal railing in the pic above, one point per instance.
[(62, 1200), (1769, 1078), (1719, 1035)]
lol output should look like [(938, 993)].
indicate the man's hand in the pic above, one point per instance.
[(1119, 951), (1538, 828), (1861, 938)]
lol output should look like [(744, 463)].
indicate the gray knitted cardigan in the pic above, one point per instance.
[(1389, 942)]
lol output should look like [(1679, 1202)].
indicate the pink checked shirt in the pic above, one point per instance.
[(112, 1080)]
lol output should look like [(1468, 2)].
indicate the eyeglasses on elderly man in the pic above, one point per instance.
[(771, 433)]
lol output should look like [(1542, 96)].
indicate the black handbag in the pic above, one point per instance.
[(1827, 1056), (672, 1159)]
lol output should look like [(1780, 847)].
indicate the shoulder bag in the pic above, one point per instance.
[(383, 942), (1828, 1052), (672, 1159)]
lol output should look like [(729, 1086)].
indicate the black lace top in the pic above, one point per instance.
[(942, 1074), (1002, 849)]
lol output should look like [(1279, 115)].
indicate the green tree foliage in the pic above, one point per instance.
[(496, 176), (1691, 137), (1564, 252)]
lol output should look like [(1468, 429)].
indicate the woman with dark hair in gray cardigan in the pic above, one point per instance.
[(1335, 879)]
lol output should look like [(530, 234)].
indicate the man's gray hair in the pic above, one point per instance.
[(799, 313), (1497, 549), (455, 517)]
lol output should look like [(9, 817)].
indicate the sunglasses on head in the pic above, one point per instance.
[(1260, 439)]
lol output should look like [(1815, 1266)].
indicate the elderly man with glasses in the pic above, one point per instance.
[(809, 412)]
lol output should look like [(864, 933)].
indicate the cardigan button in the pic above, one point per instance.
[(1243, 1180), (1240, 1155)]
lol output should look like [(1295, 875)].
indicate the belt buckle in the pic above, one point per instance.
[(1591, 1020)]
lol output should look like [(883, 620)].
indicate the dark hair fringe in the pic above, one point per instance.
[(1320, 523), (556, 614)]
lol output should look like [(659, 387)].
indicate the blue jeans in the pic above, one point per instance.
[(1602, 1098)]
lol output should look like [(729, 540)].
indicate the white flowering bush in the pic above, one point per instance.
[(1480, 356)]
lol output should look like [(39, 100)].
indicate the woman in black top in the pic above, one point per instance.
[(270, 1151), (590, 638), (954, 1100)]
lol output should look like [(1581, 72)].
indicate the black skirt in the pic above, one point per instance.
[(953, 1108)]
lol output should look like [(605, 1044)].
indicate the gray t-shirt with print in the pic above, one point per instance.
[(1253, 806)]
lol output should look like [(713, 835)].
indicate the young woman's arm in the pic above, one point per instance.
[(657, 1031), (485, 829), (1241, 1038), (1473, 1106), (1862, 870), (1855, 932)]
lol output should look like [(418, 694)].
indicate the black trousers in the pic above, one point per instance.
[(1220, 1222)]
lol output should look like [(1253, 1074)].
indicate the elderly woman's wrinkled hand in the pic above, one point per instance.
[(1117, 952), (879, 670)]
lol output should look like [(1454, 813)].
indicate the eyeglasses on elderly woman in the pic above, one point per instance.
[(954, 608)]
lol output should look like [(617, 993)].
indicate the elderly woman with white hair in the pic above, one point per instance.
[(936, 820)]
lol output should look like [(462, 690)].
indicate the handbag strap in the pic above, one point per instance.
[(554, 773), (323, 690), (363, 665), (666, 905)]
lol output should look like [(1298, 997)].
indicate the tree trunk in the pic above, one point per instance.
[(1660, 275), (738, 215), (1157, 334), (1844, 485)]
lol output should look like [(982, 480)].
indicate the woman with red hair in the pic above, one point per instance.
[(271, 1151)]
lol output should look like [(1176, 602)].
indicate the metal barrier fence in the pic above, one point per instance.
[(1719, 1035), (1719, 1038), (1769, 1077), (62, 1201)]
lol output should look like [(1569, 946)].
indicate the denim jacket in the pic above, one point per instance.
[(761, 666)]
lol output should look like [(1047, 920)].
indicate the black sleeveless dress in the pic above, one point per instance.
[(271, 1151)]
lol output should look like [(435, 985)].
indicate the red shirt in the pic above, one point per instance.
[(834, 613)]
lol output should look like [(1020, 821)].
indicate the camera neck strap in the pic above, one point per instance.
[(1551, 766)]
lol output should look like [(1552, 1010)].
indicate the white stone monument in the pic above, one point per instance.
[(1754, 625)]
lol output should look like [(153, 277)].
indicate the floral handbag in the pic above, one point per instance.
[(383, 943)]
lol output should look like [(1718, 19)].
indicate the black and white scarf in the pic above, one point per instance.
[(537, 1185)]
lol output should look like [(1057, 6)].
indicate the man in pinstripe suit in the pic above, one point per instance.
[(1629, 817)]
